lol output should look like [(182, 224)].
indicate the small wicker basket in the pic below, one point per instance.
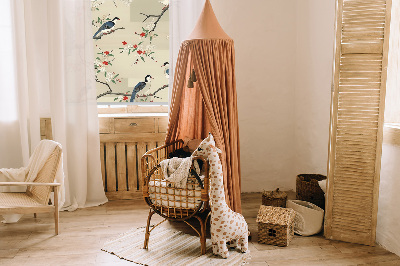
[(274, 198), (308, 189), (275, 225)]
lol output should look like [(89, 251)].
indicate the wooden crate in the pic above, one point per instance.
[(123, 141)]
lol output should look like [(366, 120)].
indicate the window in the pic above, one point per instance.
[(392, 108), (131, 44), (8, 106)]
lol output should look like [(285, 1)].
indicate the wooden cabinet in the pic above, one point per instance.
[(106, 125), (162, 125), (135, 125), (123, 141)]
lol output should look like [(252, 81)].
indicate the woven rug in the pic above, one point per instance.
[(168, 247)]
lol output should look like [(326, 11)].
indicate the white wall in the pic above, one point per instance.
[(284, 52), (264, 33), (388, 227), (284, 57), (314, 60)]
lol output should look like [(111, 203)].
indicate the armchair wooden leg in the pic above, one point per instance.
[(56, 212), (147, 235), (34, 215)]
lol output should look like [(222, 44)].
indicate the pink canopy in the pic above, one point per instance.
[(204, 97)]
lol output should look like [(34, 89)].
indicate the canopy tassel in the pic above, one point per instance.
[(192, 79)]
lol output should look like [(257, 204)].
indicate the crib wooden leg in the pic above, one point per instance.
[(203, 232), (147, 235), (203, 236)]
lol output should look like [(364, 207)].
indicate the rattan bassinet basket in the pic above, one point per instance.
[(171, 202)]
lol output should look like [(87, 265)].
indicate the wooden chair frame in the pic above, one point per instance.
[(35, 209), (36, 192)]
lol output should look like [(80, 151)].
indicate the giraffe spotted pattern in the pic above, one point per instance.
[(226, 225)]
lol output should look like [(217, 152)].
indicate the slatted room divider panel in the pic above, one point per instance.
[(358, 95)]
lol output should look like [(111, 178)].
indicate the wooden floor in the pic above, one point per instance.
[(83, 232)]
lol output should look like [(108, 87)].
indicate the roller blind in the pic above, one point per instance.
[(358, 97)]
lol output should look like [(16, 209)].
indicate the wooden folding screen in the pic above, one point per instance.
[(358, 96)]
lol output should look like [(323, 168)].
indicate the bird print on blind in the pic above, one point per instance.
[(140, 86), (166, 69), (106, 28)]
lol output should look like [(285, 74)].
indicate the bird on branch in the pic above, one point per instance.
[(106, 28), (166, 69), (140, 86)]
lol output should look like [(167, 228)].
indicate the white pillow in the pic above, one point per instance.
[(322, 184)]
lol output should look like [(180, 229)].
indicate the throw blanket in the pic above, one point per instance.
[(29, 173), (176, 170)]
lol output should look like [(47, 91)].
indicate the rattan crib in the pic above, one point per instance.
[(170, 202)]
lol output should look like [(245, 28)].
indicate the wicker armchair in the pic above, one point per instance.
[(36, 197), (170, 202)]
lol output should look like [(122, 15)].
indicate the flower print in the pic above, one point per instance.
[(142, 34), (164, 2), (109, 76), (97, 62), (96, 4), (139, 51), (150, 48), (106, 52), (125, 98), (124, 43), (135, 46), (105, 63), (150, 25)]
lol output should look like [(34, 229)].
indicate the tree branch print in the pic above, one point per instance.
[(155, 16)]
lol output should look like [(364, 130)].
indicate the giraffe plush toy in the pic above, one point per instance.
[(226, 225)]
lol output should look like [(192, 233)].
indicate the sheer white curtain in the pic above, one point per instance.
[(183, 17), (9, 127), (55, 78)]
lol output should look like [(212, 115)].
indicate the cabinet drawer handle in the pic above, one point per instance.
[(133, 124)]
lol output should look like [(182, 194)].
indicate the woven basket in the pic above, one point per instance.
[(275, 225), (274, 198), (308, 189)]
